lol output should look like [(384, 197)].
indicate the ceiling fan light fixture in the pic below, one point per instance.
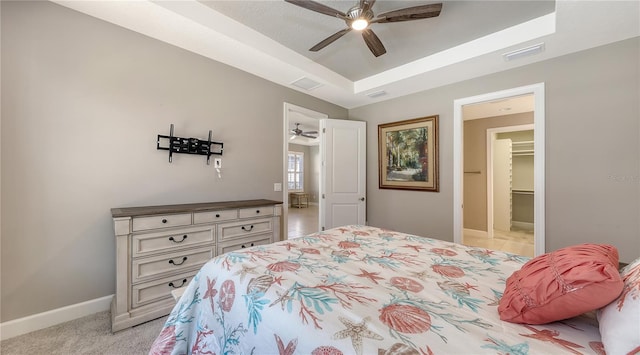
[(359, 24)]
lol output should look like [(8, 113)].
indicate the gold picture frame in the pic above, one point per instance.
[(408, 154)]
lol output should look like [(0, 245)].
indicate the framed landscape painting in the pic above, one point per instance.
[(408, 154)]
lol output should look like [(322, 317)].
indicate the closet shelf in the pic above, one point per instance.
[(522, 148)]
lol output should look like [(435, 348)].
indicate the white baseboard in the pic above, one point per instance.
[(53, 317), (475, 233), (522, 225)]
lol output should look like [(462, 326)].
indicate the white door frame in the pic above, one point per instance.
[(491, 134), (538, 165), (287, 109)]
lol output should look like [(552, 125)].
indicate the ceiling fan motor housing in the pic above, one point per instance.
[(357, 12)]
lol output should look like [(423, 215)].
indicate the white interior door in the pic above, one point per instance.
[(343, 178), (502, 177)]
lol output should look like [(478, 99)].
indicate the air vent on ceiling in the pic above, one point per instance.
[(523, 52), (373, 95), (306, 83)]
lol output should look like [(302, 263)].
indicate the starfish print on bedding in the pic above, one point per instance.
[(422, 275), (282, 299), (244, 271), (356, 331), (417, 248), (373, 276), (211, 292), (551, 336)]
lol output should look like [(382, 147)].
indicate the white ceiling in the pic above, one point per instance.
[(270, 39), (299, 29)]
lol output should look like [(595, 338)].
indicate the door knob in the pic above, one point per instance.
[(361, 198)]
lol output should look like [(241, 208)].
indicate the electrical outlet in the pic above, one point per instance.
[(277, 186), (217, 163)]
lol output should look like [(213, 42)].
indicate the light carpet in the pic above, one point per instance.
[(87, 335)]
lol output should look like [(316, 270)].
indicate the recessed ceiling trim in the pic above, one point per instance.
[(536, 28), (176, 23)]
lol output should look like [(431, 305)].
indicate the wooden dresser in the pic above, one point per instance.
[(160, 248)]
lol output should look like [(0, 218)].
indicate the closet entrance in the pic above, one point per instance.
[(499, 170), (510, 190)]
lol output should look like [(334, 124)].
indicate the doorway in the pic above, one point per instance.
[(506, 184), (537, 90), (301, 176)]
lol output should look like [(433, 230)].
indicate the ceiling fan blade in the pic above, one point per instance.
[(292, 137), (373, 42), (308, 136), (410, 13), (310, 132), (318, 7), (327, 41), (368, 4)]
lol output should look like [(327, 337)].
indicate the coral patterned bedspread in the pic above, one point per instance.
[(360, 290)]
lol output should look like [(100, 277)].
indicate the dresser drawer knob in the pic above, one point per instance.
[(257, 211), (184, 281), (217, 215), (244, 228), (184, 258), (184, 237), (244, 246), (164, 220)]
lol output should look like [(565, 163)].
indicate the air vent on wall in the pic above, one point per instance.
[(306, 83), (524, 52), (375, 94)]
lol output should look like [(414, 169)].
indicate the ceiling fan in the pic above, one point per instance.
[(361, 16), (298, 132)]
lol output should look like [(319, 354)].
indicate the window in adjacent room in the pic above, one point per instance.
[(295, 171)]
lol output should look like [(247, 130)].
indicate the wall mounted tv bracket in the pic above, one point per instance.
[(188, 145)]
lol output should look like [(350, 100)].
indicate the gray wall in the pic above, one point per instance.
[(592, 147), (82, 103), (475, 159)]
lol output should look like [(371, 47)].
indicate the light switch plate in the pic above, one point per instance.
[(217, 162), (277, 186)]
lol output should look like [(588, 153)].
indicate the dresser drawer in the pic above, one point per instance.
[(161, 221), (242, 229), (157, 290), (226, 247), (146, 268), (214, 216), (261, 211), (147, 243)]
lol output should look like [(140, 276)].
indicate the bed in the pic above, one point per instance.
[(360, 290)]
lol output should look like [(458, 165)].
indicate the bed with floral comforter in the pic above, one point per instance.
[(360, 290)]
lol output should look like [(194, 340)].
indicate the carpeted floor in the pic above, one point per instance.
[(87, 335)]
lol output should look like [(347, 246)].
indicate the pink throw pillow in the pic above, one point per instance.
[(562, 284)]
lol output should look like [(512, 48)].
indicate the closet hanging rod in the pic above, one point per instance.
[(522, 192), (473, 172)]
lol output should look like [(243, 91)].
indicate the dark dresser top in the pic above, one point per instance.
[(187, 208)]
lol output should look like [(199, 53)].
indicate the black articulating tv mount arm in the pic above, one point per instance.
[(188, 145)]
